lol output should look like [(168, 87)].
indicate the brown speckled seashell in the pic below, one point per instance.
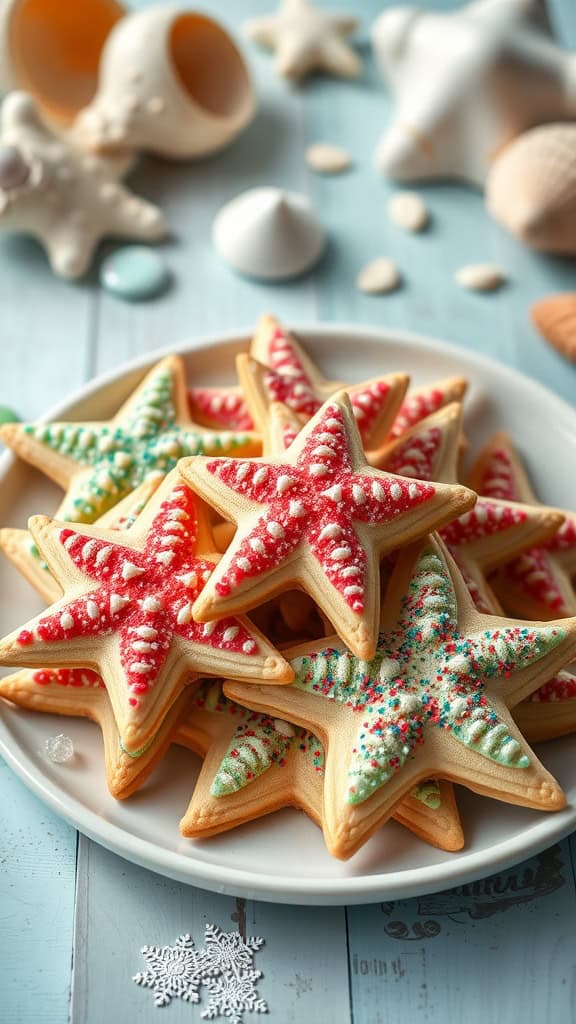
[(555, 318), (531, 188)]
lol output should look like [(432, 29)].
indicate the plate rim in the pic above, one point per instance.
[(351, 889)]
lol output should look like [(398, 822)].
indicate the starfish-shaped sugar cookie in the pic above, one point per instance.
[(423, 401), (318, 517), (80, 693), (279, 370), (99, 463), (486, 536), (254, 765), (539, 583), (492, 70), (493, 531), (307, 39), (67, 199), (127, 612), (219, 407), (432, 703), (19, 547), (550, 711), (281, 430)]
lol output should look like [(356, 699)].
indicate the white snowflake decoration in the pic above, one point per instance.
[(174, 971), (225, 966), (232, 984)]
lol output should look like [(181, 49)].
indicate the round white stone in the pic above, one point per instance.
[(326, 158), (480, 277), (378, 277), (408, 211)]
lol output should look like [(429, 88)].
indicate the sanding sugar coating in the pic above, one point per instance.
[(259, 742), (288, 381), (534, 572), (425, 672), (123, 453), (317, 498), (144, 596)]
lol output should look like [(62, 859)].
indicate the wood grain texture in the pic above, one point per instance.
[(37, 868), (501, 949), (120, 908)]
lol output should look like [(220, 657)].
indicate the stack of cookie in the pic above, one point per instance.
[(288, 578)]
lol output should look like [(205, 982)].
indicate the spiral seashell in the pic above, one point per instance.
[(171, 82), (164, 79), (531, 188), (555, 318)]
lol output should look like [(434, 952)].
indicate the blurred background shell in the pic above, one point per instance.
[(531, 188), (555, 318), (162, 79)]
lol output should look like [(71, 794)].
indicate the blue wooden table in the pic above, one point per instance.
[(73, 916)]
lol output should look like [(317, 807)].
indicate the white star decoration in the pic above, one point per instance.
[(307, 39), (466, 83), (67, 199)]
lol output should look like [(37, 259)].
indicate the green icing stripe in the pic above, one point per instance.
[(426, 673), (429, 794), (136, 753)]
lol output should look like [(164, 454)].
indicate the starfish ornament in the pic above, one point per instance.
[(278, 370), (492, 70), (67, 199), (254, 765), (127, 613), (99, 463), (318, 518), (433, 702), (539, 583), (307, 39)]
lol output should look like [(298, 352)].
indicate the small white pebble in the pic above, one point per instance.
[(377, 277), (327, 159), (480, 277), (59, 749), (407, 210)]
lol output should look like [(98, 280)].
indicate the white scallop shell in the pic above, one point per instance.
[(268, 233), (531, 188)]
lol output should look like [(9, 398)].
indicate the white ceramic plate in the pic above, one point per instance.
[(282, 857)]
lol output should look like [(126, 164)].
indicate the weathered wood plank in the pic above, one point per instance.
[(37, 868), (500, 949), (120, 908), (45, 327)]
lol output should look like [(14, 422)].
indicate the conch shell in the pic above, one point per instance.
[(555, 318), (531, 188)]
